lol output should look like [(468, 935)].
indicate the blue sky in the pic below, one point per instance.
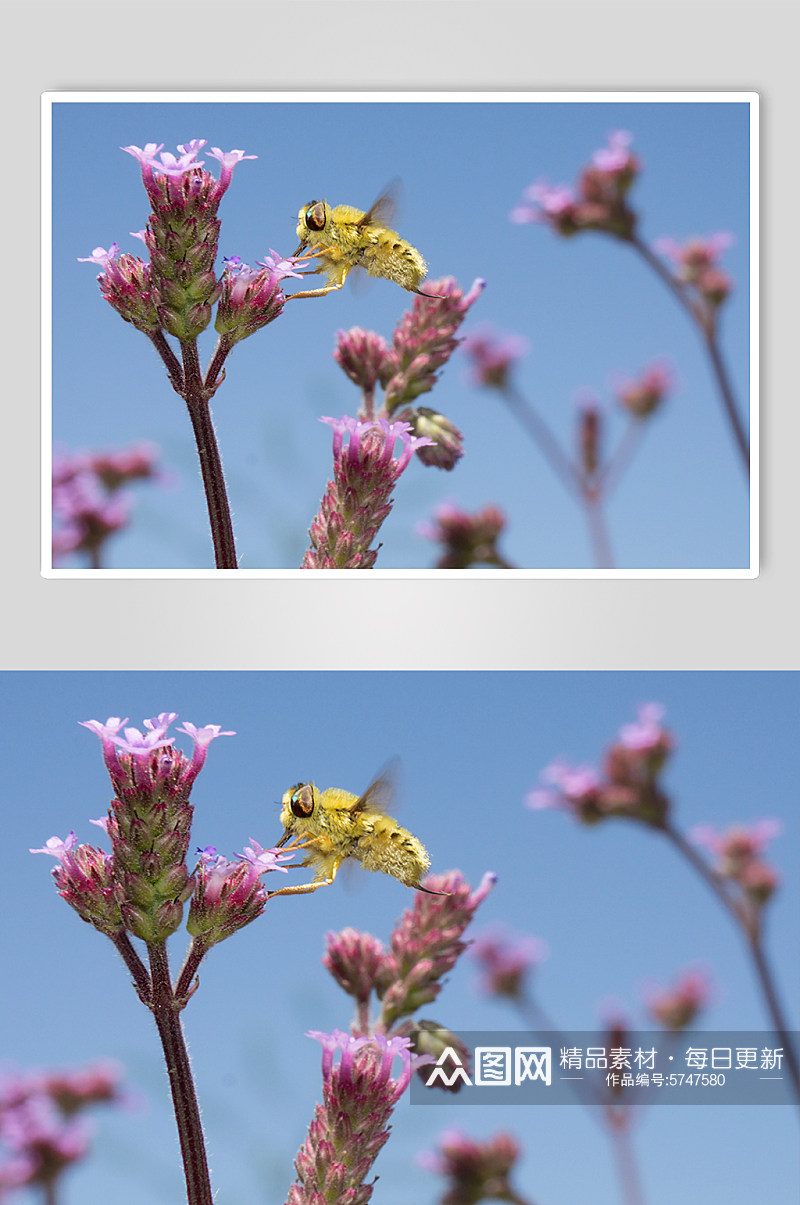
[(614, 905), (589, 308)]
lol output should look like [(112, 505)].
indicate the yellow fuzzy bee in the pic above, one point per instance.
[(345, 237), (332, 825)]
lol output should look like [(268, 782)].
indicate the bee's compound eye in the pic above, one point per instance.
[(301, 800), (315, 215)]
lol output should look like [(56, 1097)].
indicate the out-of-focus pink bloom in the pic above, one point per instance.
[(643, 395), (628, 785), (647, 732), (697, 261), (616, 156), (467, 538), (38, 1122), (545, 203), (578, 788), (599, 202), (738, 854), (492, 354), (739, 845), (632, 764), (476, 1171), (88, 503), (677, 1006), (505, 959)]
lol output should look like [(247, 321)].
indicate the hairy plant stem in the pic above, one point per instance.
[(749, 922), (188, 381), (708, 332), (141, 979), (171, 361), (166, 1011), (194, 956), (195, 395), (214, 374)]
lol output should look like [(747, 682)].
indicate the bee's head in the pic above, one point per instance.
[(313, 218), (298, 803)]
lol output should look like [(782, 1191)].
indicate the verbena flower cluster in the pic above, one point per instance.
[(350, 1125), (89, 503), (42, 1127)]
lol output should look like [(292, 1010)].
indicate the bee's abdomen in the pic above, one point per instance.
[(396, 852)]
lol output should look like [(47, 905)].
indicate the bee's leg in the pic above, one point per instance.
[(299, 889), (314, 292), (341, 270), (307, 888)]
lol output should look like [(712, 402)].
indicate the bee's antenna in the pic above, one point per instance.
[(427, 890)]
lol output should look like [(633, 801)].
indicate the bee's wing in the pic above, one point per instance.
[(383, 209), (380, 794)]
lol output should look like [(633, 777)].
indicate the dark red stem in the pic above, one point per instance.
[(166, 1012), (219, 515)]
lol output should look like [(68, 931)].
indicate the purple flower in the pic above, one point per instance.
[(337, 1040), (616, 155), (102, 257), (677, 1006), (358, 498), (476, 1171), (544, 202), (493, 353), (252, 297), (202, 738), (228, 159), (282, 267), (262, 860), (228, 895), (388, 434), (505, 960), (647, 731), (58, 848), (467, 538), (575, 785), (644, 395)]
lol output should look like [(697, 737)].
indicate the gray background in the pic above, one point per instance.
[(439, 624)]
